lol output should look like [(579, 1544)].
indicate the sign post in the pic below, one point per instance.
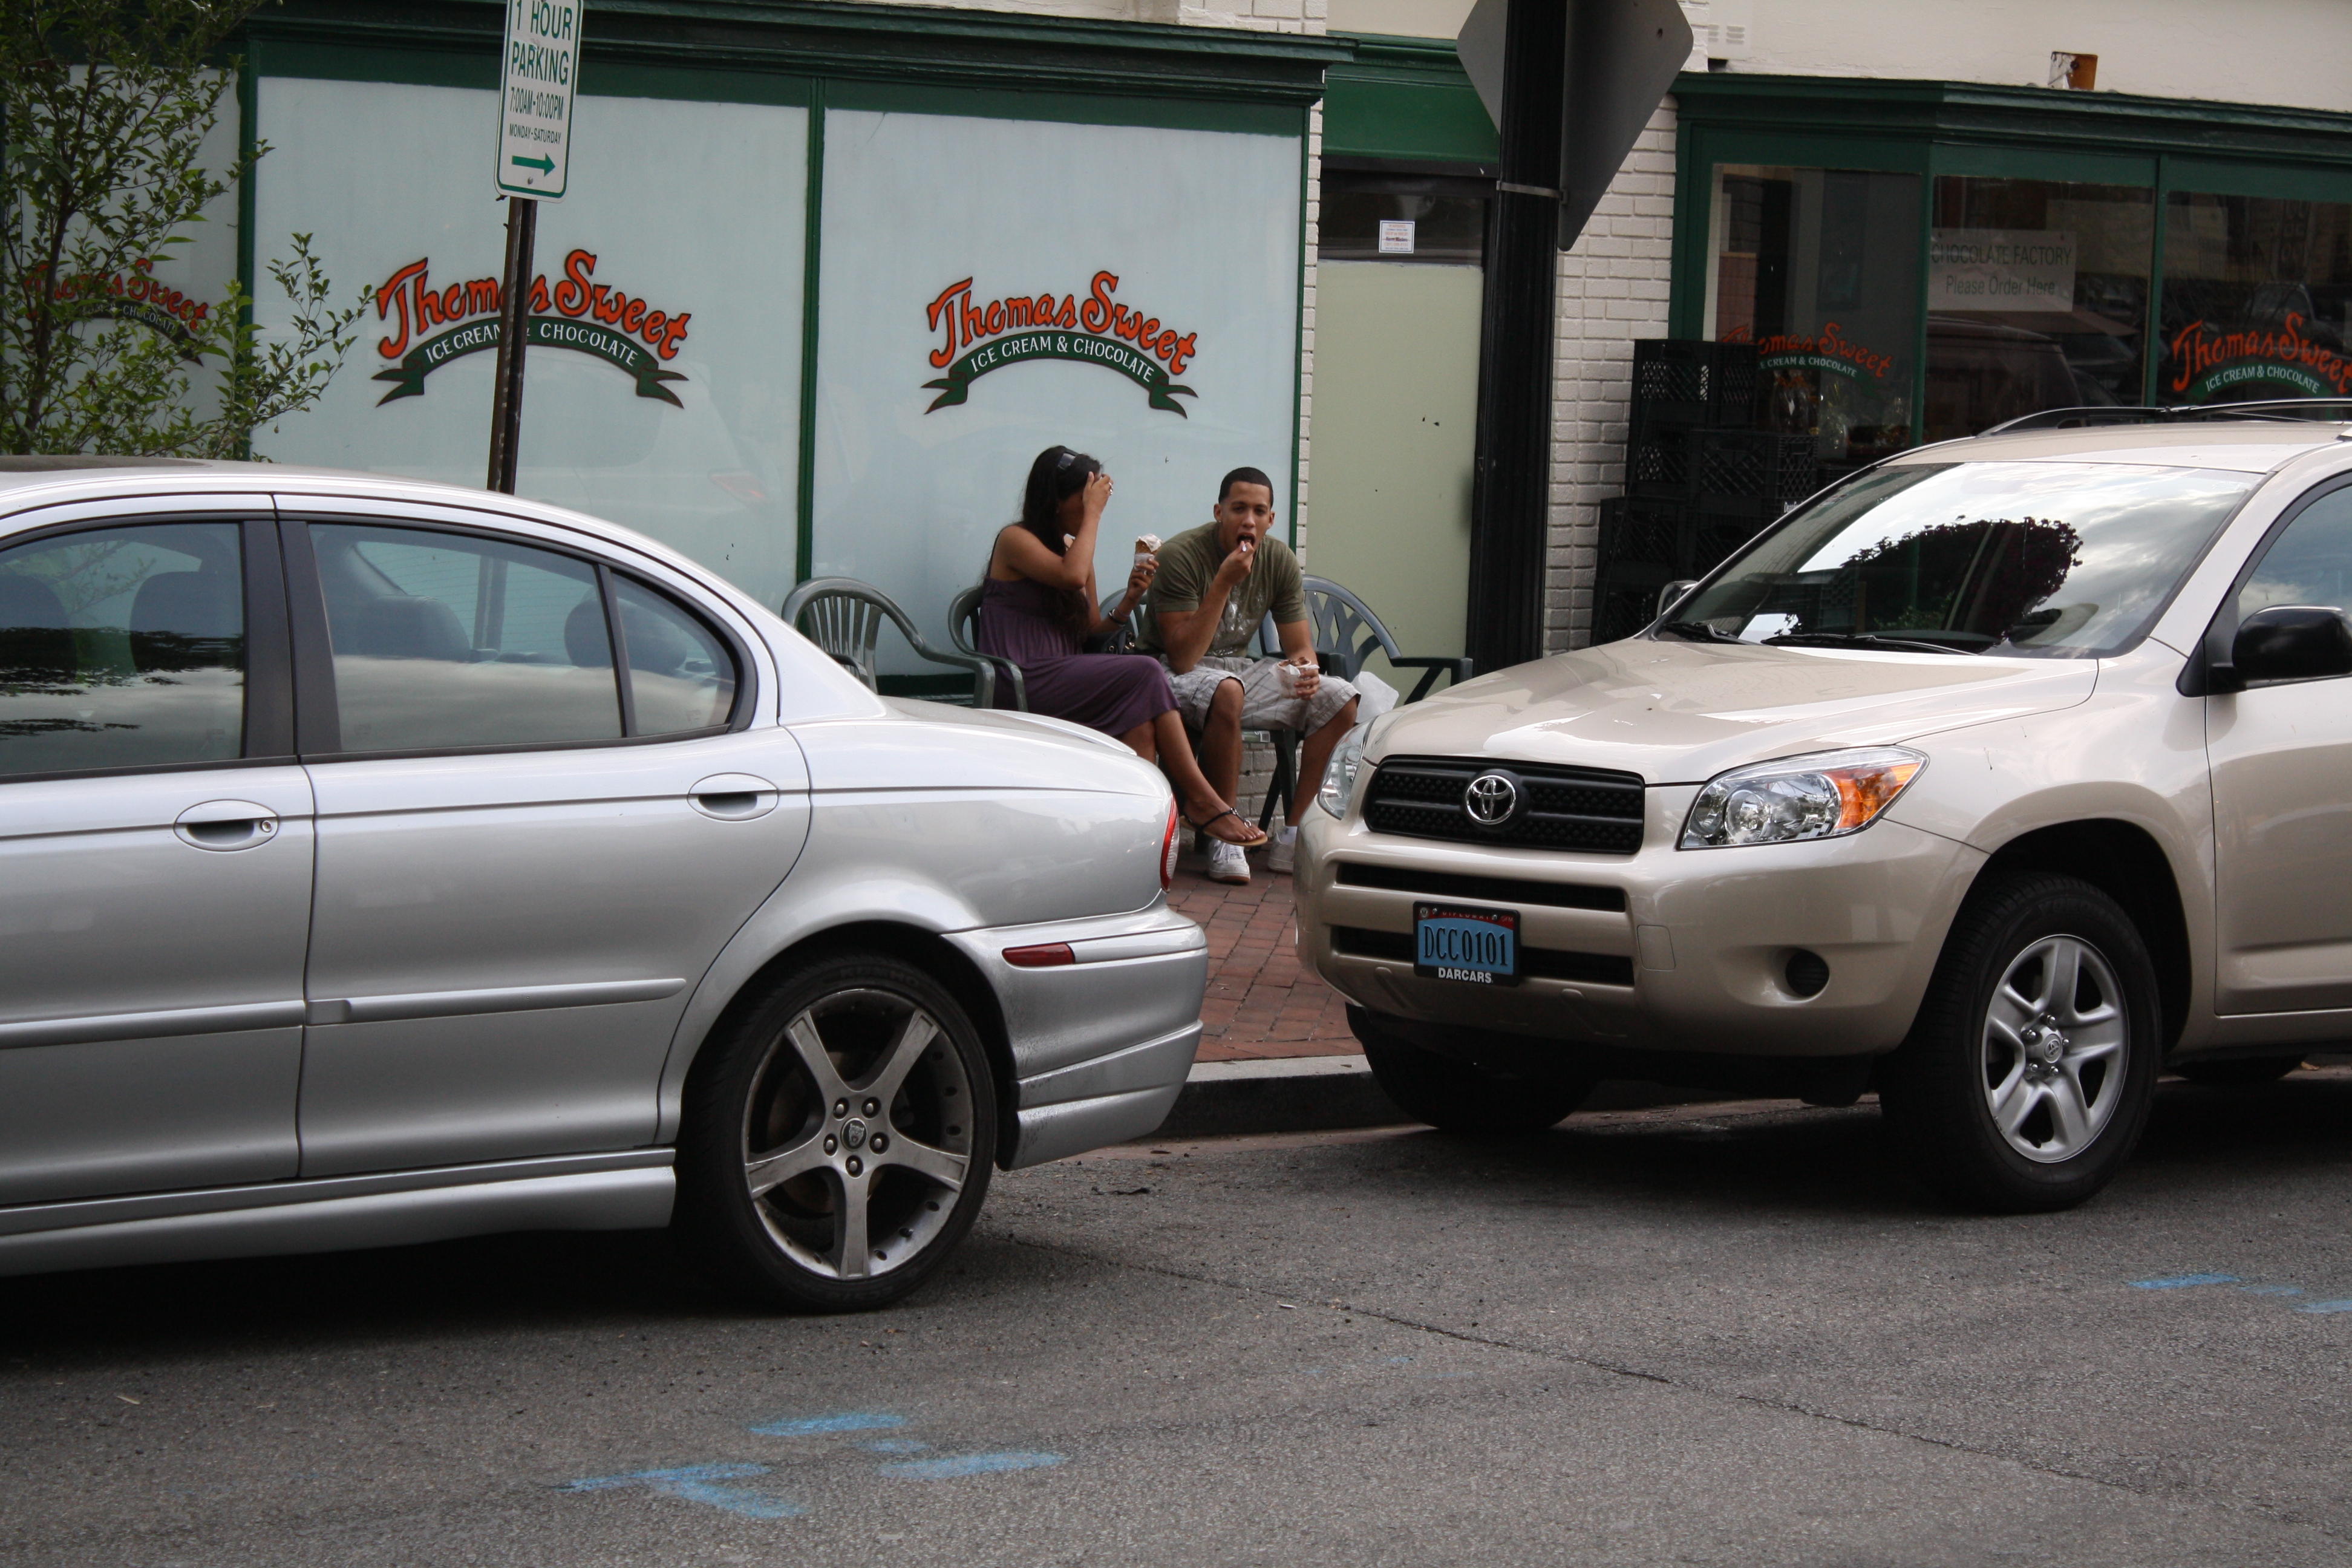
[(538, 75)]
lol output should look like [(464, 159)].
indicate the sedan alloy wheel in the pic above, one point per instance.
[(857, 1134), (838, 1138)]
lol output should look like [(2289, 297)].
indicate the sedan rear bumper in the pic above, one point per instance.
[(1102, 1042)]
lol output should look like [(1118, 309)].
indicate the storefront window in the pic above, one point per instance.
[(1403, 217), (976, 311), (1817, 267), (2037, 297), (2257, 299), (662, 387)]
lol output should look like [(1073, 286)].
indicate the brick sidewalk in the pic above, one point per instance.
[(1259, 1004)]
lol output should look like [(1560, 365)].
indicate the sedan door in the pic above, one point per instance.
[(155, 857), (2282, 758), (530, 850)]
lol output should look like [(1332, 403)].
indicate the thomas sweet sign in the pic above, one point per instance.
[(977, 339)]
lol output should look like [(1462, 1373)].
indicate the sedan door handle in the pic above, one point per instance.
[(227, 824), (733, 797)]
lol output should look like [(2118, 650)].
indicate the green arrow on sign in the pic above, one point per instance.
[(543, 165)]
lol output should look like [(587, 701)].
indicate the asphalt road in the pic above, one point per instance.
[(1722, 1334)]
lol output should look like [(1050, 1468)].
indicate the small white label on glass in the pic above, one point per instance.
[(1396, 237)]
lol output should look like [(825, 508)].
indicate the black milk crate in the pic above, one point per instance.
[(1712, 541), (1751, 465), (1637, 531), (1620, 612), (1692, 380), (1658, 463)]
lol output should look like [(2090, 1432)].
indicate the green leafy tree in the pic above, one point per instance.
[(105, 109)]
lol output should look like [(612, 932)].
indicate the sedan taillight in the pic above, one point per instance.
[(1167, 851)]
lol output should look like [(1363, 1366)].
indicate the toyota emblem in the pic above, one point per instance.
[(1491, 799)]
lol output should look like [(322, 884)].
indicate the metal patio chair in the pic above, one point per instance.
[(964, 629), (844, 617)]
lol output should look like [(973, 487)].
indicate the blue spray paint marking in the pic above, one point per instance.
[(2271, 1290), (657, 1478), (1398, 1360), (845, 1421), (968, 1465), (894, 1445), (2326, 1307), (698, 1483), (2182, 1281)]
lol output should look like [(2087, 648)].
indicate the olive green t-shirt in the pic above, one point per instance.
[(1189, 563)]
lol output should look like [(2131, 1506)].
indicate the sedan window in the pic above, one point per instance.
[(681, 674), (2063, 560), (448, 640), (123, 648)]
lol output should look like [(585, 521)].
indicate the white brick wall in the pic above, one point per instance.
[(1613, 289)]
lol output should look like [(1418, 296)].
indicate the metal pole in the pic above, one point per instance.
[(1510, 503), (514, 325)]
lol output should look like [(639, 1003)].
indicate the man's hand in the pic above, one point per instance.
[(1309, 677), (1235, 568)]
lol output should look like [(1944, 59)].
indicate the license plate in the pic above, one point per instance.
[(1480, 947)]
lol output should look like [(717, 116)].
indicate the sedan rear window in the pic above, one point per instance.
[(2060, 560)]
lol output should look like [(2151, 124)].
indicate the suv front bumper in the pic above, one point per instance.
[(1695, 960)]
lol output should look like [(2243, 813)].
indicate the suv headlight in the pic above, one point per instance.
[(1819, 796), (1340, 777)]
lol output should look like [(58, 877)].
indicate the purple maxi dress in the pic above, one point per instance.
[(1107, 692)]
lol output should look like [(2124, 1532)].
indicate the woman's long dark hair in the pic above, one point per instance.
[(1058, 474)]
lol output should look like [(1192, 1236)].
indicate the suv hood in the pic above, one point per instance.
[(1679, 713)]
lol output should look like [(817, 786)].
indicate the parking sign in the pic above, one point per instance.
[(541, 67)]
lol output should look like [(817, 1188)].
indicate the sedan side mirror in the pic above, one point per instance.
[(2288, 642)]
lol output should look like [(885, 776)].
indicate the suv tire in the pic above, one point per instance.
[(1454, 1097), (2016, 1091), (837, 1139)]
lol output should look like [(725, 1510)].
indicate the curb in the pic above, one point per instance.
[(1288, 1094), (1318, 1094)]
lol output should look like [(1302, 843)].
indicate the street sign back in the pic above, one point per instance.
[(541, 67)]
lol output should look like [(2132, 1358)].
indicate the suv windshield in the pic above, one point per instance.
[(2064, 560)]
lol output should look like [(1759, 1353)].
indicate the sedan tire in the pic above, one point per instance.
[(1455, 1096), (838, 1137), (2029, 1074)]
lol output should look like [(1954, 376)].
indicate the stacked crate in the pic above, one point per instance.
[(1700, 478)]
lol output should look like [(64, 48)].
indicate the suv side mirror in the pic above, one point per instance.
[(1669, 595), (2287, 642)]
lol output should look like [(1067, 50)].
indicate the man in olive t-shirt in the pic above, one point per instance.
[(1214, 584)]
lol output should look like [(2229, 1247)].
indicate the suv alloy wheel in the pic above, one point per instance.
[(2027, 1076)]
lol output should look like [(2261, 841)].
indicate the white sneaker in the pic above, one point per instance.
[(1285, 851), (1228, 864)]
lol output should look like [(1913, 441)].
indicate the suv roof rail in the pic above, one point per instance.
[(2294, 410)]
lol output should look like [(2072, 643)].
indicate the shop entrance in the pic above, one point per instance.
[(1399, 288)]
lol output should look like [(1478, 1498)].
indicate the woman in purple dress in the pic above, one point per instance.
[(1037, 608)]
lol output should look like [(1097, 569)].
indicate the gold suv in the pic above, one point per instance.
[(1999, 778)]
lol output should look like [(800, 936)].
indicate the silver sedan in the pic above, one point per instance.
[(382, 862)]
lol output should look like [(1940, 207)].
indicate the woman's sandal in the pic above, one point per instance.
[(1257, 833)]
